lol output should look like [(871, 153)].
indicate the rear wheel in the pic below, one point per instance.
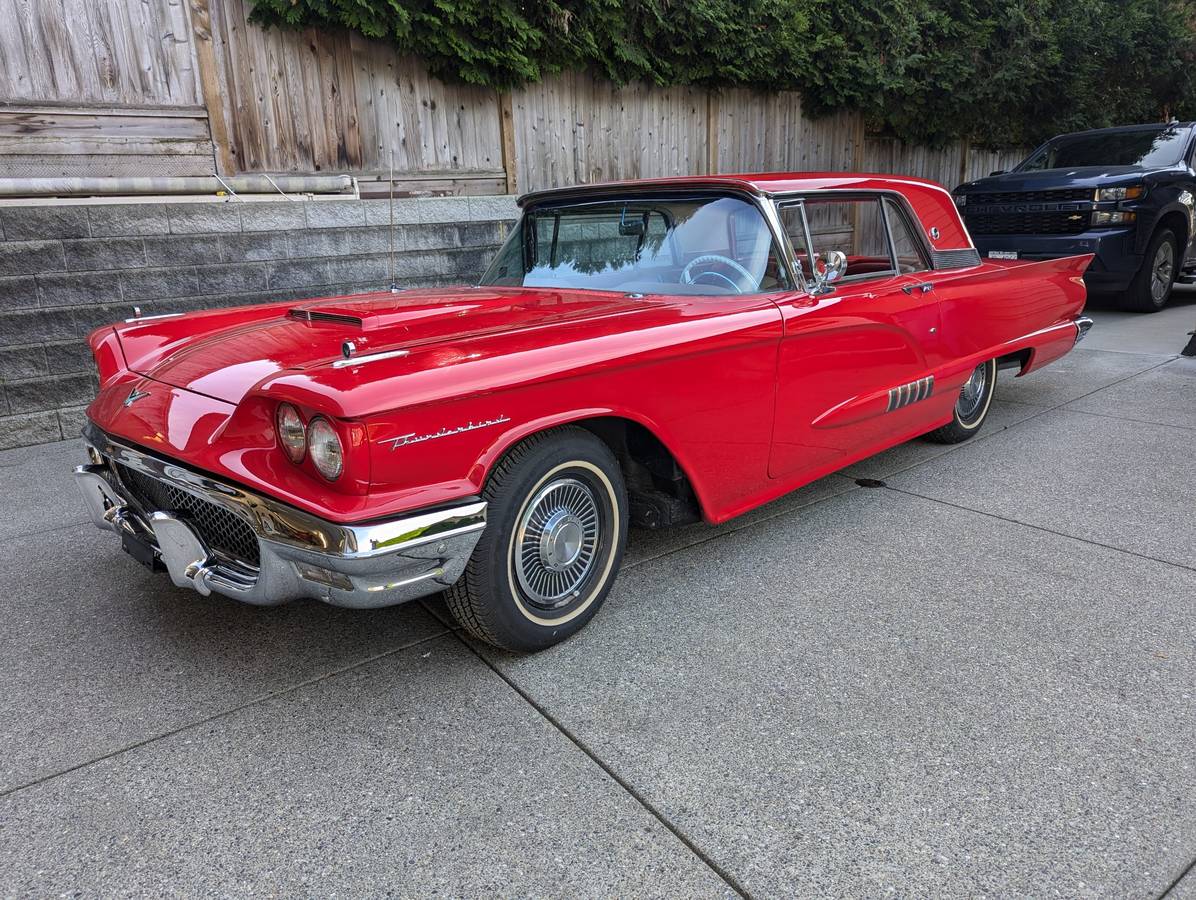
[(971, 407), (1151, 287), (554, 538)]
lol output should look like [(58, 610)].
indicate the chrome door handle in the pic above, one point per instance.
[(925, 287)]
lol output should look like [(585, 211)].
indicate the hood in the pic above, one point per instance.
[(227, 353), (1051, 179)]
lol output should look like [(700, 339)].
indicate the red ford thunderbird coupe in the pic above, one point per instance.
[(647, 353)]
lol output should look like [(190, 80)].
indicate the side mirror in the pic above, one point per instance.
[(828, 268), (998, 172)]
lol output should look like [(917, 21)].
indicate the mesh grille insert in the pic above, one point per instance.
[(223, 531), (1059, 195)]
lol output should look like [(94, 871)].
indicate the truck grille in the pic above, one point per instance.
[(1028, 223), (983, 213), (223, 531), (1055, 196)]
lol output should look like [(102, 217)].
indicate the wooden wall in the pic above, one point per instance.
[(188, 87), (311, 101)]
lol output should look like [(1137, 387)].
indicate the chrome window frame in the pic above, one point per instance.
[(927, 252)]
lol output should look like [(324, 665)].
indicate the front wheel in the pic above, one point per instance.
[(555, 533), (1151, 287), (971, 407)]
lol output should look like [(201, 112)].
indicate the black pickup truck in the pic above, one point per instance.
[(1126, 195)]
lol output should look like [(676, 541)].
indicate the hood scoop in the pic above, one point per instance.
[(312, 315)]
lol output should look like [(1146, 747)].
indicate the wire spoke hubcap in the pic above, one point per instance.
[(557, 542), (971, 396)]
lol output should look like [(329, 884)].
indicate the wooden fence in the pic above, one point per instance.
[(186, 87)]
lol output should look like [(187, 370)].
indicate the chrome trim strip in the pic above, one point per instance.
[(913, 392), (369, 358)]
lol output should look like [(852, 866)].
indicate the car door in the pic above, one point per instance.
[(856, 361)]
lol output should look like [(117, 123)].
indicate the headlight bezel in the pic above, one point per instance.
[(1111, 218), (1119, 193), (295, 453), (322, 434)]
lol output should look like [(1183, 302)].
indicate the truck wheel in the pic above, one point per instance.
[(554, 538), (1151, 288), (971, 407)]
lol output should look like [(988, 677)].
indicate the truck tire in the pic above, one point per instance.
[(1151, 287), (971, 407), (554, 538)]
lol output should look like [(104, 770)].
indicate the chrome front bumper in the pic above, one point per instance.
[(300, 555)]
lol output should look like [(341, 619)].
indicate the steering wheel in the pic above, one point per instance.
[(688, 277)]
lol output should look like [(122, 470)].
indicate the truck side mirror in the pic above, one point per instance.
[(998, 172)]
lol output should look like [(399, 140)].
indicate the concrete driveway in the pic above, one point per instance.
[(979, 679)]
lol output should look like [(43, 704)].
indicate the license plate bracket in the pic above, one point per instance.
[(140, 550)]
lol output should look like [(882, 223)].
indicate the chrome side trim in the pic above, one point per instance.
[(1083, 324), (915, 391), (369, 358)]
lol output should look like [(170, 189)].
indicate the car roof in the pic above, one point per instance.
[(932, 204), (762, 183)]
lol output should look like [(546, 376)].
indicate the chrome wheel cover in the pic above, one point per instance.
[(1160, 274), (556, 542), (971, 395)]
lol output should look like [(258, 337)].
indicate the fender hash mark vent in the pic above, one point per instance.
[(910, 393)]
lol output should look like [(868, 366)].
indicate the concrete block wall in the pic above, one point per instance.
[(65, 270)]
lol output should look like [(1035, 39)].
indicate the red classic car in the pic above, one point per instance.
[(647, 353)]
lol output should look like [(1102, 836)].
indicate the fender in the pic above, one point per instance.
[(492, 454)]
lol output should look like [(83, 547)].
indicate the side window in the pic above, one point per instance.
[(853, 226), (910, 256)]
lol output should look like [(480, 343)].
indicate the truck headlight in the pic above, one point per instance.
[(1119, 193), (1111, 217), (325, 449), (961, 199)]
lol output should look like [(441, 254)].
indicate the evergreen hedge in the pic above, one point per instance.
[(1000, 72)]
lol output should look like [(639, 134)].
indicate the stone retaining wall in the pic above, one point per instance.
[(65, 270)]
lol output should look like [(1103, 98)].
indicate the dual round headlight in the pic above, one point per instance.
[(317, 438)]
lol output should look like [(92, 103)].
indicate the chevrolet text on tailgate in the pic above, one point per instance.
[(647, 353)]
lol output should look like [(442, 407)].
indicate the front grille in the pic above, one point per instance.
[(1028, 223), (1062, 195), (222, 530), (984, 213)]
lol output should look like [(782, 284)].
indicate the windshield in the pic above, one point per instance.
[(712, 245), (1146, 147)]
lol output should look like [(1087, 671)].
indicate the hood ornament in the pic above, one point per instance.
[(134, 396)]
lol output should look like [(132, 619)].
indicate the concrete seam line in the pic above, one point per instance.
[(643, 801), (1043, 528), (1043, 411), (254, 701), (1178, 878), (1096, 415), (743, 527)]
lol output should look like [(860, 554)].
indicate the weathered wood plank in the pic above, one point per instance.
[(209, 78)]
